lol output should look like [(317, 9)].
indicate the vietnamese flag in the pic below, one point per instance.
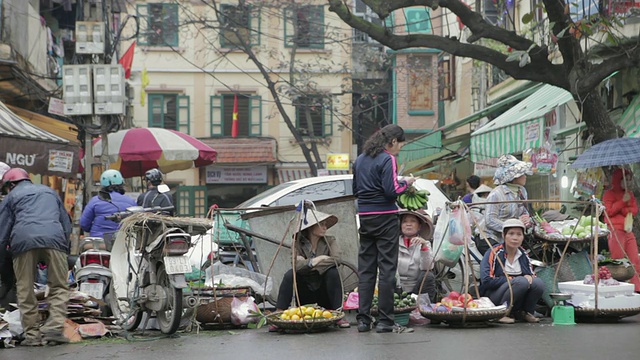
[(126, 60), (234, 124)]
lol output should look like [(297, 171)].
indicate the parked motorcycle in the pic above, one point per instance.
[(152, 277), (92, 272)]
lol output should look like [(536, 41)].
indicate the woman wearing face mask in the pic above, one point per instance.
[(621, 203), (476, 212)]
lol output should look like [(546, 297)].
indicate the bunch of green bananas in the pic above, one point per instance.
[(413, 199)]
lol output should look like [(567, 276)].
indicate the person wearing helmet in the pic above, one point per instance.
[(110, 199), (415, 258), (36, 227), (508, 263), (154, 198)]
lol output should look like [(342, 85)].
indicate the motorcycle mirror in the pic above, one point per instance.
[(163, 188)]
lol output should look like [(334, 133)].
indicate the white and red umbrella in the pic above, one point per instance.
[(134, 151)]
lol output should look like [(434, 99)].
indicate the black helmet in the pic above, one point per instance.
[(154, 176)]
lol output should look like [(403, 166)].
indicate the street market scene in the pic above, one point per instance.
[(273, 177)]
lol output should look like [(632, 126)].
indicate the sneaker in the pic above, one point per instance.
[(31, 342), (343, 323), (363, 326), (395, 328), (57, 339), (507, 320), (530, 318)]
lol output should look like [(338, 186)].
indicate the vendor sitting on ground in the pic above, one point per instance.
[(415, 258), (317, 277), (527, 288)]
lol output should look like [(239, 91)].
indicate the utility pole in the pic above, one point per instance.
[(94, 90)]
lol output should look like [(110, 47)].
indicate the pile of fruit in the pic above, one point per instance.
[(453, 299), (604, 274), (400, 301), (413, 199), (306, 313)]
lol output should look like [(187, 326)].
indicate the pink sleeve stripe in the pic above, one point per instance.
[(379, 212), (399, 189)]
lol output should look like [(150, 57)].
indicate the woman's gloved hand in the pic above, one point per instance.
[(318, 259)]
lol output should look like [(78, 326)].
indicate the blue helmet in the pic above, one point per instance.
[(111, 177)]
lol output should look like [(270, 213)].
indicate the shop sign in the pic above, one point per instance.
[(236, 175), (56, 106), (337, 161), (61, 161)]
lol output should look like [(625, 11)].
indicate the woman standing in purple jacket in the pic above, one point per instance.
[(376, 185)]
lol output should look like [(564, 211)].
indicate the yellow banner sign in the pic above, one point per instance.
[(337, 161)]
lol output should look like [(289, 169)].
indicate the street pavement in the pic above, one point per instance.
[(521, 341)]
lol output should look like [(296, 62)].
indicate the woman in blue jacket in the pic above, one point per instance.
[(527, 288), (376, 185), (109, 200)]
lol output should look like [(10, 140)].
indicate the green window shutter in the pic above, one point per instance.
[(191, 201), (215, 113), (156, 110), (142, 11), (171, 27), (184, 114), (312, 35), (254, 21), (327, 120), (255, 115), (158, 28)]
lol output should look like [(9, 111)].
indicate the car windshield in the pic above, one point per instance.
[(263, 195)]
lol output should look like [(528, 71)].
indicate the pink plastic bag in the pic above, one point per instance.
[(241, 309), (352, 302)]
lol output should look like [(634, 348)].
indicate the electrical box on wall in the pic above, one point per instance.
[(90, 37), (108, 89), (77, 91)]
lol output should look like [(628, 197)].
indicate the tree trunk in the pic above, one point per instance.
[(595, 115)]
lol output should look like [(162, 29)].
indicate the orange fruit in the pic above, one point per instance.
[(327, 314), (295, 317)]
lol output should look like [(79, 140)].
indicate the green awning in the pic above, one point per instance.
[(520, 127), (450, 147), (500, 105), (630, 120), (414, 151)]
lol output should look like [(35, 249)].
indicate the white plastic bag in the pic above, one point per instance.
[(241, 310), (446, 252)]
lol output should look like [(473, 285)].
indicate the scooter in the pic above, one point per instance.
[(154, 280), (92, 272)]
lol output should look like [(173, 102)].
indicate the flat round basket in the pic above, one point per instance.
[(398, 310), (563, 239), (458, 317), (593, 315), (312, 324)]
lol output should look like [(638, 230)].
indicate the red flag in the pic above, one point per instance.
[(126, 60), (234, 124)]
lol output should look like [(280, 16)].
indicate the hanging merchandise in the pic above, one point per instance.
[(545, 158), (589, 182)]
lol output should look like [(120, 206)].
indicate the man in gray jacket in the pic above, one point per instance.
[(36, 227)]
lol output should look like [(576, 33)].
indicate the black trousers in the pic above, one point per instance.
[(378, 256), (328, 295), (429, 286), (7, 279)]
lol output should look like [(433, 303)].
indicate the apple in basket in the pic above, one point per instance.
[(457, 303), (465, 298), (446, 301), (472, 304), (453, 295)]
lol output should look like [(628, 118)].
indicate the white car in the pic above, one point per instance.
[(327, 187)]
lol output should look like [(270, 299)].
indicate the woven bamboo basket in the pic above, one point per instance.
[(311, 324), (216, 308)]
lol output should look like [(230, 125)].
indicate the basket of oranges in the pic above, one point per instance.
[(304, 318)]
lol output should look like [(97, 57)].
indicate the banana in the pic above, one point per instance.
[(402, 199), (413, 203)]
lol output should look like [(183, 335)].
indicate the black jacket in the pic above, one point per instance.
[(153, 198)]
